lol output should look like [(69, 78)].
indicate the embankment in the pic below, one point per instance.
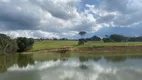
[(104, 49)]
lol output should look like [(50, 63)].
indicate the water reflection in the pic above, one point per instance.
[(83, 58), (9, 60), (27, 67), (115, 58), (24, 60)]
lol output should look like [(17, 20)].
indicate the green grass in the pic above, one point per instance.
[(53, 44)]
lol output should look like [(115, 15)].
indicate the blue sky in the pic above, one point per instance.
[(65, 18)]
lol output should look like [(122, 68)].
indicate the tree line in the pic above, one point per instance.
[(108, 38), (9, 45), (21, 44), (121, 38)]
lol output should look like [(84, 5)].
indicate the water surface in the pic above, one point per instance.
[(65, 67)]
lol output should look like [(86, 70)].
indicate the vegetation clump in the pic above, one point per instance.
[(81, 41), (24, 43), (7, 45)]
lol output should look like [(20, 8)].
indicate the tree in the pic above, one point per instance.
[(7, 45), (117, 38), (107, 40), (24, 43), (94, 38), (114, 38), (82, 40), (64, 39), (134, 39), (82, 33)]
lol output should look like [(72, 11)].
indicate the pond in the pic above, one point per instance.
[(70, 67)]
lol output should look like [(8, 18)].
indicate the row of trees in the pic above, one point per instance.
[(109, 38), (20, 44), (121, 38)]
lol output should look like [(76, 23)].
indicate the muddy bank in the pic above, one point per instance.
[(93, 49), (111, 49)]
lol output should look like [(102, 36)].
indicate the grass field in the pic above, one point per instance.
[(53, 44), (50, 44)]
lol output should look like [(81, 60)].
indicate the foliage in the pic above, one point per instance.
[(134, 39), (117, 38), (24, 44), (82, 33), (107, 40), (121, 38), (7, 45), (64, 39), (114, 38), (82, 41), (94, 38)]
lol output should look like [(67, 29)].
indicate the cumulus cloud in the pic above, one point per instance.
[(60, 18), (128, 12), (31, 34), (15, 15), (39, 34), (64, 9)]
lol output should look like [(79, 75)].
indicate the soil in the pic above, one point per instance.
[(95, 49)]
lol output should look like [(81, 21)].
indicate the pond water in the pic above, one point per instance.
[(68, 67)]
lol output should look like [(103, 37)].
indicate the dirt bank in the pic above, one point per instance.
[(94, 49), (112, 49)]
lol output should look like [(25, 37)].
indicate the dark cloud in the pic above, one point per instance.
[(13, 17), (84, 26), (64, 9)]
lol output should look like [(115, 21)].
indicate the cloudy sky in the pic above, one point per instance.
[(65, 18)]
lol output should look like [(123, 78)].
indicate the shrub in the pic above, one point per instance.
[(24, 44)]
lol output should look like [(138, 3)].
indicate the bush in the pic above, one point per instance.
[(24, 44), (81, 41), (117, 38), (107, 40)]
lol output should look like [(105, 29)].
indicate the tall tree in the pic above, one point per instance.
[(82, 33), (82, 40)]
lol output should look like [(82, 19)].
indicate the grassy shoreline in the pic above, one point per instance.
[(91, 46)]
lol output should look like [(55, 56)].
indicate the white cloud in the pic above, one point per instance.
[(30, 34), (128, 12), (59, 18)]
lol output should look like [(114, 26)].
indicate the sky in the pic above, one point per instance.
[(65, 18)]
